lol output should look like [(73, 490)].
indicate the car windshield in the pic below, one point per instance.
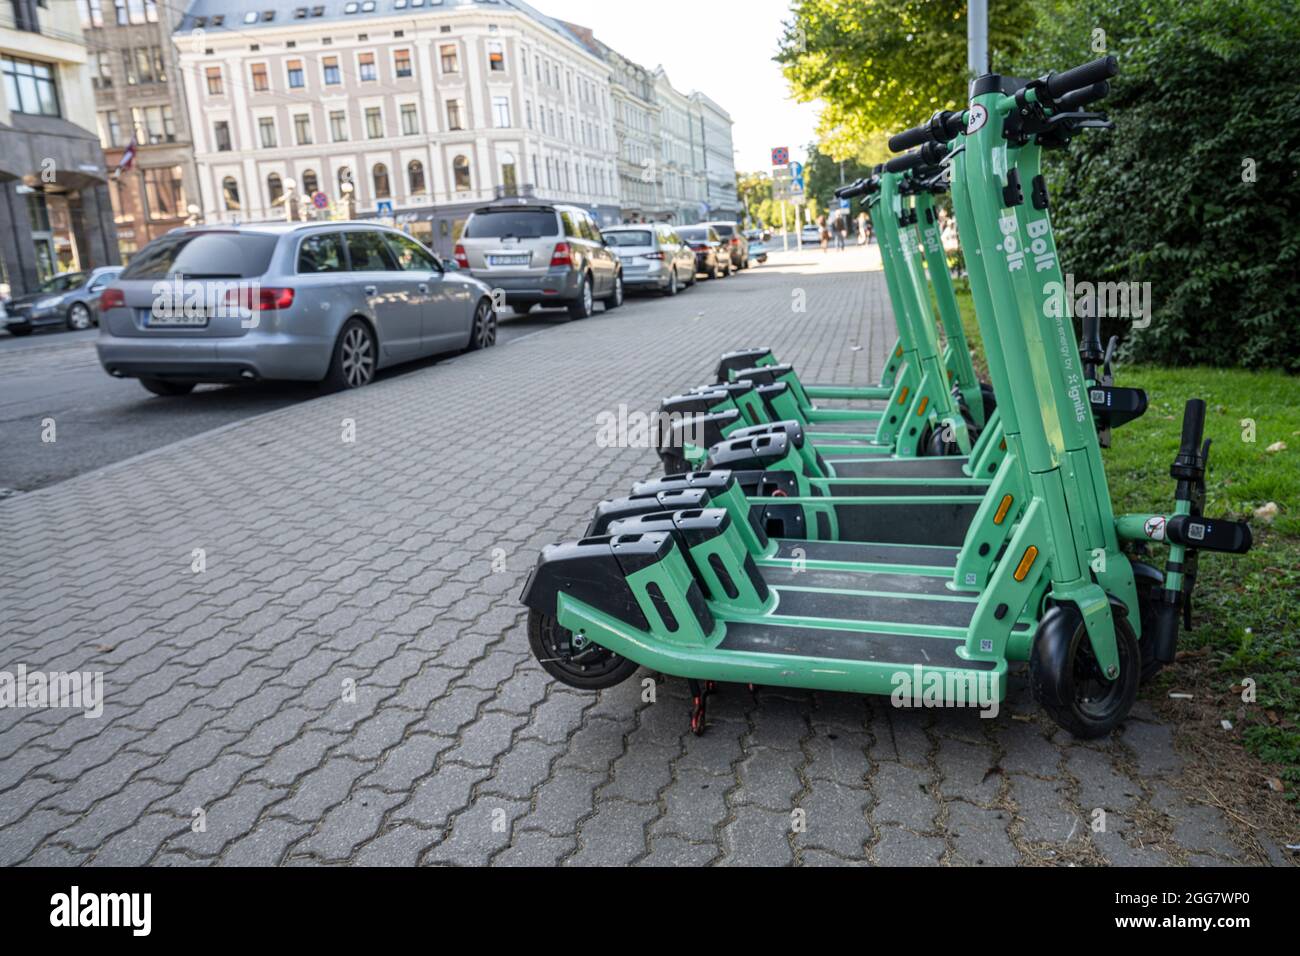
[(637, 237), (513, 224), (63, 282), (693, 235), (204, 255)]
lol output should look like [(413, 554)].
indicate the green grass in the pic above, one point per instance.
[(1247, 607)]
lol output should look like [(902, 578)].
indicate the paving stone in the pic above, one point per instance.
[(757, 837), (903, 796), (614, 835), (979, 836)]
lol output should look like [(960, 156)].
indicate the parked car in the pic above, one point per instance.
[(712, 257), (737, 244), (67, 300), (810, 233), (325, 302), (654, 257), (541, 254), (757, 250)]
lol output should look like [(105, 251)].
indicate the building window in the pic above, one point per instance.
[(302, 129), (110, 130), (509, 177), (338, 126), (30, 86), (496, 56), (528, 113), (274, 188), (215, 86), (374, 122), (310, 184), (415, 176), (221, 133), (379, 175), (501, 112), (331, 65), (296, 79), (460, 173), (261, 80), (410, 119), (153, 124), (230, 193), (450, 60), (266, 130), (366, 71), (402, 63), (453, 115), (102, 66)]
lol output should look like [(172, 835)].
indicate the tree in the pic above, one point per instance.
[(884, 65)]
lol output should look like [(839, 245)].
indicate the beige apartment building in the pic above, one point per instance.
[(55, 214), (413, 110)]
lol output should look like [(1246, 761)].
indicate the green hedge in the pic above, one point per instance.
[(1208, 91)]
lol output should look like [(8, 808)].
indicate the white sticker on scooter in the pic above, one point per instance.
[(976, 118), (1155, 528)]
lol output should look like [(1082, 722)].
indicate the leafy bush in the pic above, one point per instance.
[(1196, 190)]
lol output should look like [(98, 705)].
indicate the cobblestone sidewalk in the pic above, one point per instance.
[(348, 678)]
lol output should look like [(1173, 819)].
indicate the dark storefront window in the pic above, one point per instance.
[(164, 192)]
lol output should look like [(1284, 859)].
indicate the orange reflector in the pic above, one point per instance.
[(924, 402), (1003, 508), (899, 353), (1003, 446), (1027, 562), (950, 375), (902, 399)]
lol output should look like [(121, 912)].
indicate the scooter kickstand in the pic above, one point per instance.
[(699, 695)]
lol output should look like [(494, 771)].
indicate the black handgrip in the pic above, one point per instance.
[(910, 137), (1058, 84), (1090, 340), (1193, 429), (851, 190), (905, 162), (1081, 98)]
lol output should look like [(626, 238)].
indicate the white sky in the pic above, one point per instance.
[(723, 48)]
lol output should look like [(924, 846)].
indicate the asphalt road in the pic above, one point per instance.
[(99, 420)]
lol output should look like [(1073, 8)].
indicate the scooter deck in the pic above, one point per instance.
[(830, 643), (951, 466), (915, 555)]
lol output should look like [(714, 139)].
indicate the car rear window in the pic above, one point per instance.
[(637, 238), (724, 231), (210, 255), (515, 223), (693, 235)]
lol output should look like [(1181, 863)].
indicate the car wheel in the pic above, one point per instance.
[(672, 284), (616, 297), (355, 357), (79, 317), (585, 304), (484, 332), (160, 386)]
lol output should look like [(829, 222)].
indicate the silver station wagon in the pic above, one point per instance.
[(318, 302)]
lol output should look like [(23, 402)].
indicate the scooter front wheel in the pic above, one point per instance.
[(572, 659), (1067, 681)]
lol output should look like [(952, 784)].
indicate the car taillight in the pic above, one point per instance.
[(561, 256), (653, 255), (462, 260), (735, 241), (112, 299), (700, 247), (268, 299)]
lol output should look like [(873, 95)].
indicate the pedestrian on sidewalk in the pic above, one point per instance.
[(823, 233), (841, 232)]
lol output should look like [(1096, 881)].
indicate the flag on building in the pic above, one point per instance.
[(127, 161)]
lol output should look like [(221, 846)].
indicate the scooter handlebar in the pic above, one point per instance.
[(940, 127), (1193, 428), (905, 162), (1081, 98), (1089, 74)]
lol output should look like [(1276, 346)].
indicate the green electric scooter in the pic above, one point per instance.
[(690, 602)]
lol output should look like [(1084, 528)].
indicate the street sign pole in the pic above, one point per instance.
[(785, 234)]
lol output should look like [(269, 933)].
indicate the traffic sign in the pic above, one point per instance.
[(384, 209), (319, 199), (781, 156), (796, 174)]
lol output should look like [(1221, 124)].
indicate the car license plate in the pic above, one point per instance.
[(185, 320), (520, 260)]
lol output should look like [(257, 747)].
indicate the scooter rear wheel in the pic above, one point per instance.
[(1067, 681), (572, 660)]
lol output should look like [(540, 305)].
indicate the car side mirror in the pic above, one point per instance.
[(450, 265)]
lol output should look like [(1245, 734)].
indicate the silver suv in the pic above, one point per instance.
[(316, 302), (541, 254)]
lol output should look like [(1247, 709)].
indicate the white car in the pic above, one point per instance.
[(810, 234)]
